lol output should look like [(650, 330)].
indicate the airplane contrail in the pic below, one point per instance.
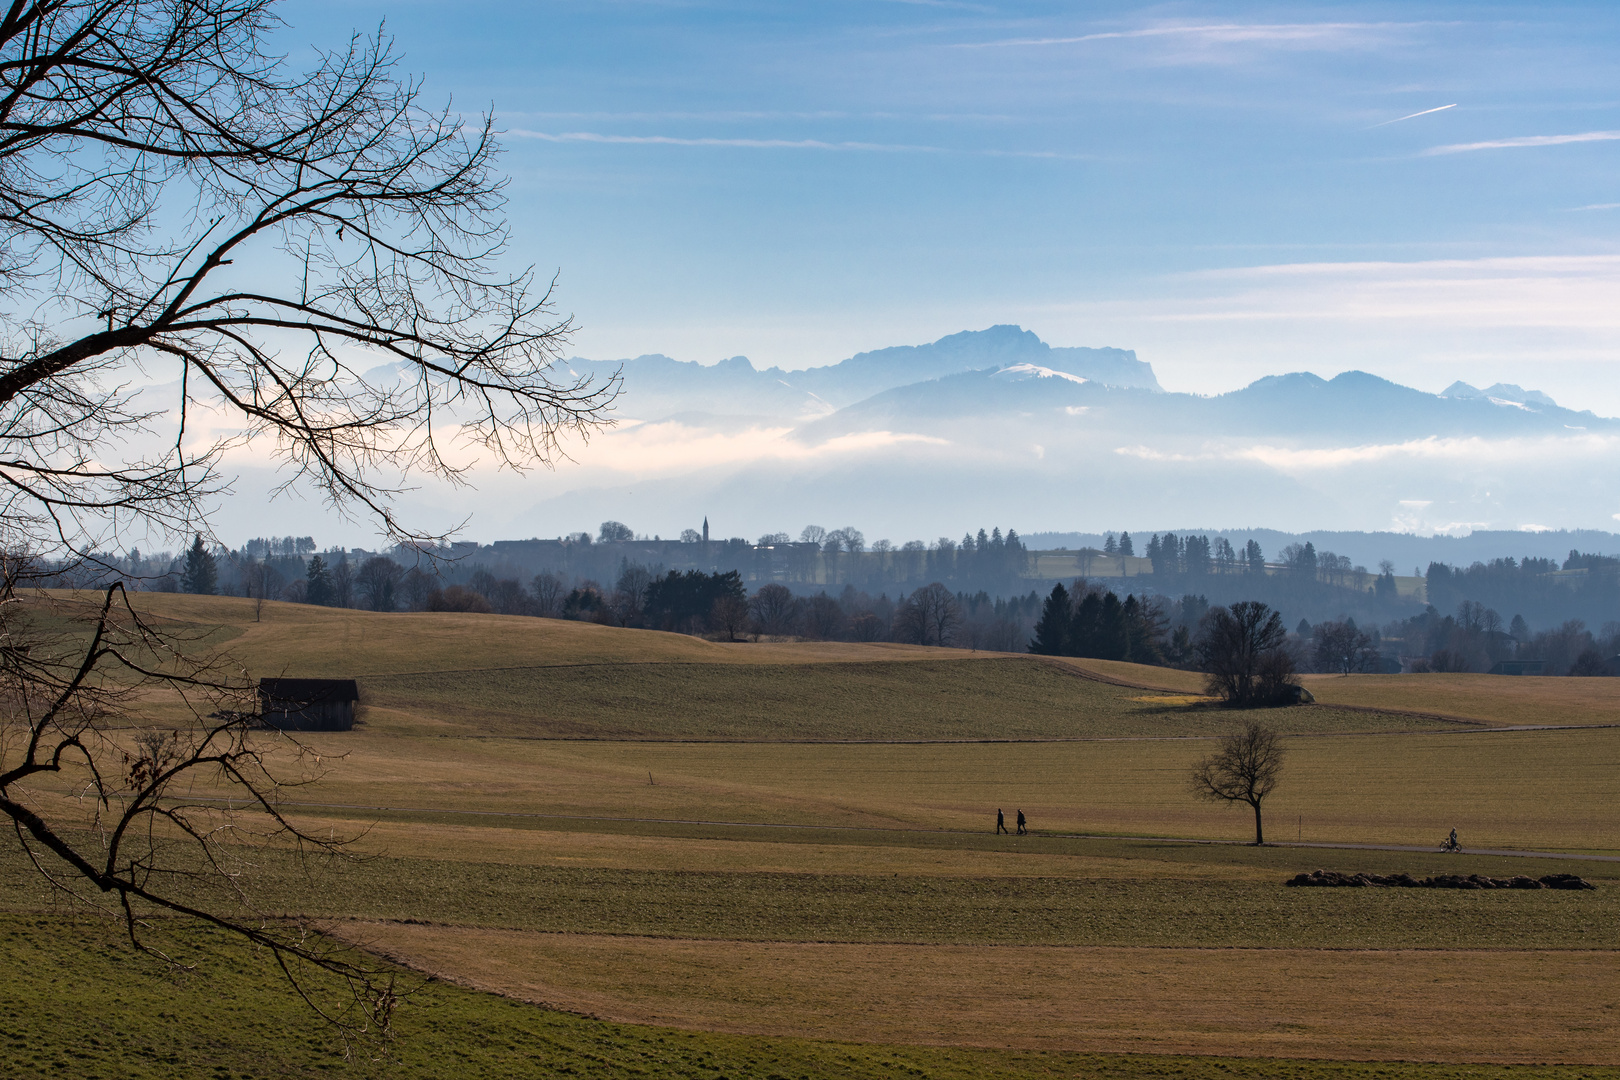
[(1425, 112)]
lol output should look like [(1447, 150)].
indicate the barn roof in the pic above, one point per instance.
[(309, 691)]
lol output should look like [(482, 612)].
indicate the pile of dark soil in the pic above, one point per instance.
[(1332, 879)]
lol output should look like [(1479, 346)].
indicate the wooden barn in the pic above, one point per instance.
[(308, 704)]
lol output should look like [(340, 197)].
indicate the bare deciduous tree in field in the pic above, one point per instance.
[(929, 616), (774, 609), (1243, 769), (314, 260), (1242, 651)]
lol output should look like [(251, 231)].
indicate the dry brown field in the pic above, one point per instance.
[(278, 638), (794, 840), (1495, 700), (1542, 790), (1454, 1005)]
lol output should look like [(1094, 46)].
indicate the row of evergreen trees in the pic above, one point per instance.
[(1094, 622), (1172, 554)]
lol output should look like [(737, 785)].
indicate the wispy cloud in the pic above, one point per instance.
[(755, 144), (1212, 33), (1414, 116), (1596, 206), (781, 144), (1525, 140), (1548, 321), (1563, 292), (958, 5)]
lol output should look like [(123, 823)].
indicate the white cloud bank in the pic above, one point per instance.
[(1466, 452)]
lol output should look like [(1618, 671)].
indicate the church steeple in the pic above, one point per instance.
[(705, 529)]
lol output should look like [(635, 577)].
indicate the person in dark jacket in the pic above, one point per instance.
[(1001, 823), (1023, 825)]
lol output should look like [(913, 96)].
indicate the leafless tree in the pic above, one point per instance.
[(1244, 769), (1243, 653), (729, 615), (1341, 647), (629, 597), (823, 619), (929, 616), (343, 588), (263, 581), (774, 609), (509, 597), (316, 258), (547, 590), (140, 822), (378, 581), (314, 255), (418, 586), (830, 548), (882, 549), (866, 627)]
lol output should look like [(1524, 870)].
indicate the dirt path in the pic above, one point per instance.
[(875, 829)]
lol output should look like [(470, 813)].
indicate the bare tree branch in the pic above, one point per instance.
[(140, 823), (334, 281)]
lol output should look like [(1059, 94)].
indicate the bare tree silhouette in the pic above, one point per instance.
[(315, 261), (315, 256), (141, 821), (1244, 769)]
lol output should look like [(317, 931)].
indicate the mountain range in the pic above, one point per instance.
[(656, 387), (1005, 371), (996, 426)]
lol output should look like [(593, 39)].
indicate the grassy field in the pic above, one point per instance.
[(1496, 700), (76, 1002), (319, 642), (929, 699), (786, 849), (278, 638), (1031, 892), (1507, 1006), (1532, 790)]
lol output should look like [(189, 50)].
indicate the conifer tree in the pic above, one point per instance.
[(1112, 639), (319, 583), (1085, 627), (1052, 630), (201, 574)]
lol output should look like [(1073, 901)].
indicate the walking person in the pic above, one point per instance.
[(1023, 825), (1001, 822)]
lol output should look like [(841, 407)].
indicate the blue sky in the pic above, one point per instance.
[(1425, 191)]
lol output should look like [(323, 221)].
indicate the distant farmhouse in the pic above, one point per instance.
[(308, 704)]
